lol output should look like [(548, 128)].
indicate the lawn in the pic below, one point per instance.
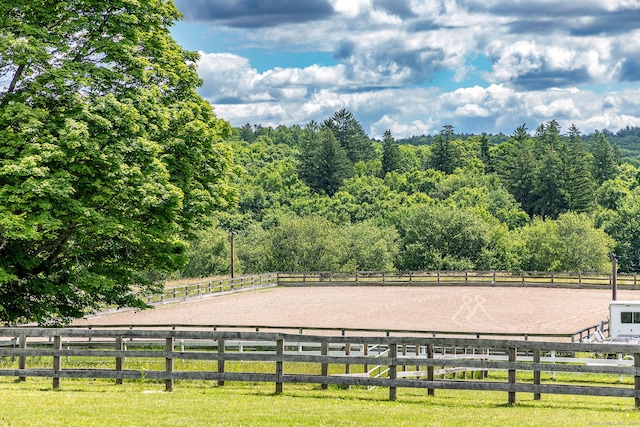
[(144, 403)]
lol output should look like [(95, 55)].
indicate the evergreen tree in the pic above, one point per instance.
[(485, 155), (390, 154), (350, 136), (580, 184), (550, 195), (516, 165), (323, 162), (604, 164), (444, 153)]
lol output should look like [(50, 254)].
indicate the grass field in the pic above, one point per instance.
[(143, 403)]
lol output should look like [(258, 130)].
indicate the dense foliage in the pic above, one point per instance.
[(108, 157), (319, 198)]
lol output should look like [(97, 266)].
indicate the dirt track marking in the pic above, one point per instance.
[(472, 305)]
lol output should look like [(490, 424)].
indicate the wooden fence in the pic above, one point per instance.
[(577, 336), (393, 278), (457, 278), (401, 361)]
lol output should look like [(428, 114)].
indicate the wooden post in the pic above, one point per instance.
[(536, 372), (347, 367), (417, 354), (22, 360), (512, 375), (393, 370), (365, 350), (324, 368), (221, 360), (614, 276), (119, 359), (279, 365), (57, 365), (168, 382), (431, 391), (636, 364)]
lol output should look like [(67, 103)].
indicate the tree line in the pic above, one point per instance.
[(328, 197)]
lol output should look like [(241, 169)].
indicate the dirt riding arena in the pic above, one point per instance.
[(472, 309)]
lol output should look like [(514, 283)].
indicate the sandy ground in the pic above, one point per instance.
[(470, 309)]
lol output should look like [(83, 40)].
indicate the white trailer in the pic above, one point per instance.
[(624, 319)]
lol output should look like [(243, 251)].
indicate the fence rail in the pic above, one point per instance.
[(392, 278), (577, 336), (214, 286), (471, 278), (409, 361)]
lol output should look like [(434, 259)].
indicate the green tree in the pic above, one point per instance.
[(604, 162), (371, 247), (209, 254), (323, 162), (350, 135), (485, 153), (580, 183), (516, 165), (570, 243), (107, 155), (625, 229), (438, 237), (444, 151), (390, 154), (309, 243)]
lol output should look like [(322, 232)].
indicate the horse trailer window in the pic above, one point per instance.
[(625, 317), (636, 317)]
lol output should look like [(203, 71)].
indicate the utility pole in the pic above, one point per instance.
[(614, 275)]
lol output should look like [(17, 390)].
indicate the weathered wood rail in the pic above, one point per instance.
[(426, 357), (458, 278), (577, 336)]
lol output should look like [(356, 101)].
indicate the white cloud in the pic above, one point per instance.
[(548, 60)]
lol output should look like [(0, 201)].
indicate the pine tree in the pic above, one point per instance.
[(604, 164), (350, 136), (580, 183), (444, 153), (390, 154), (323, 162)]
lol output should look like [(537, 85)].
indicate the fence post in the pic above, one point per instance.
[(279, 365), (536, 372), (221, 360), (365, 352), (347, 367), (119, 347), (168, 382), (22, 360), (57, 364), (430, 368), (393, 370), (512, 375), (324, 368)]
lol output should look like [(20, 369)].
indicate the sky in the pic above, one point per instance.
[(415, 66)]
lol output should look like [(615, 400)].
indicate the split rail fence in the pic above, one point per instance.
[(394, 362)]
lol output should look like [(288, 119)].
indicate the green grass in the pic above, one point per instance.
[(203, 403), (144, 403)]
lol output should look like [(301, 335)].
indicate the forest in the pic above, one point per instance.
[(327, 197)]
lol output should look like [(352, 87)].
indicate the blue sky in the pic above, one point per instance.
[(415, 66)]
